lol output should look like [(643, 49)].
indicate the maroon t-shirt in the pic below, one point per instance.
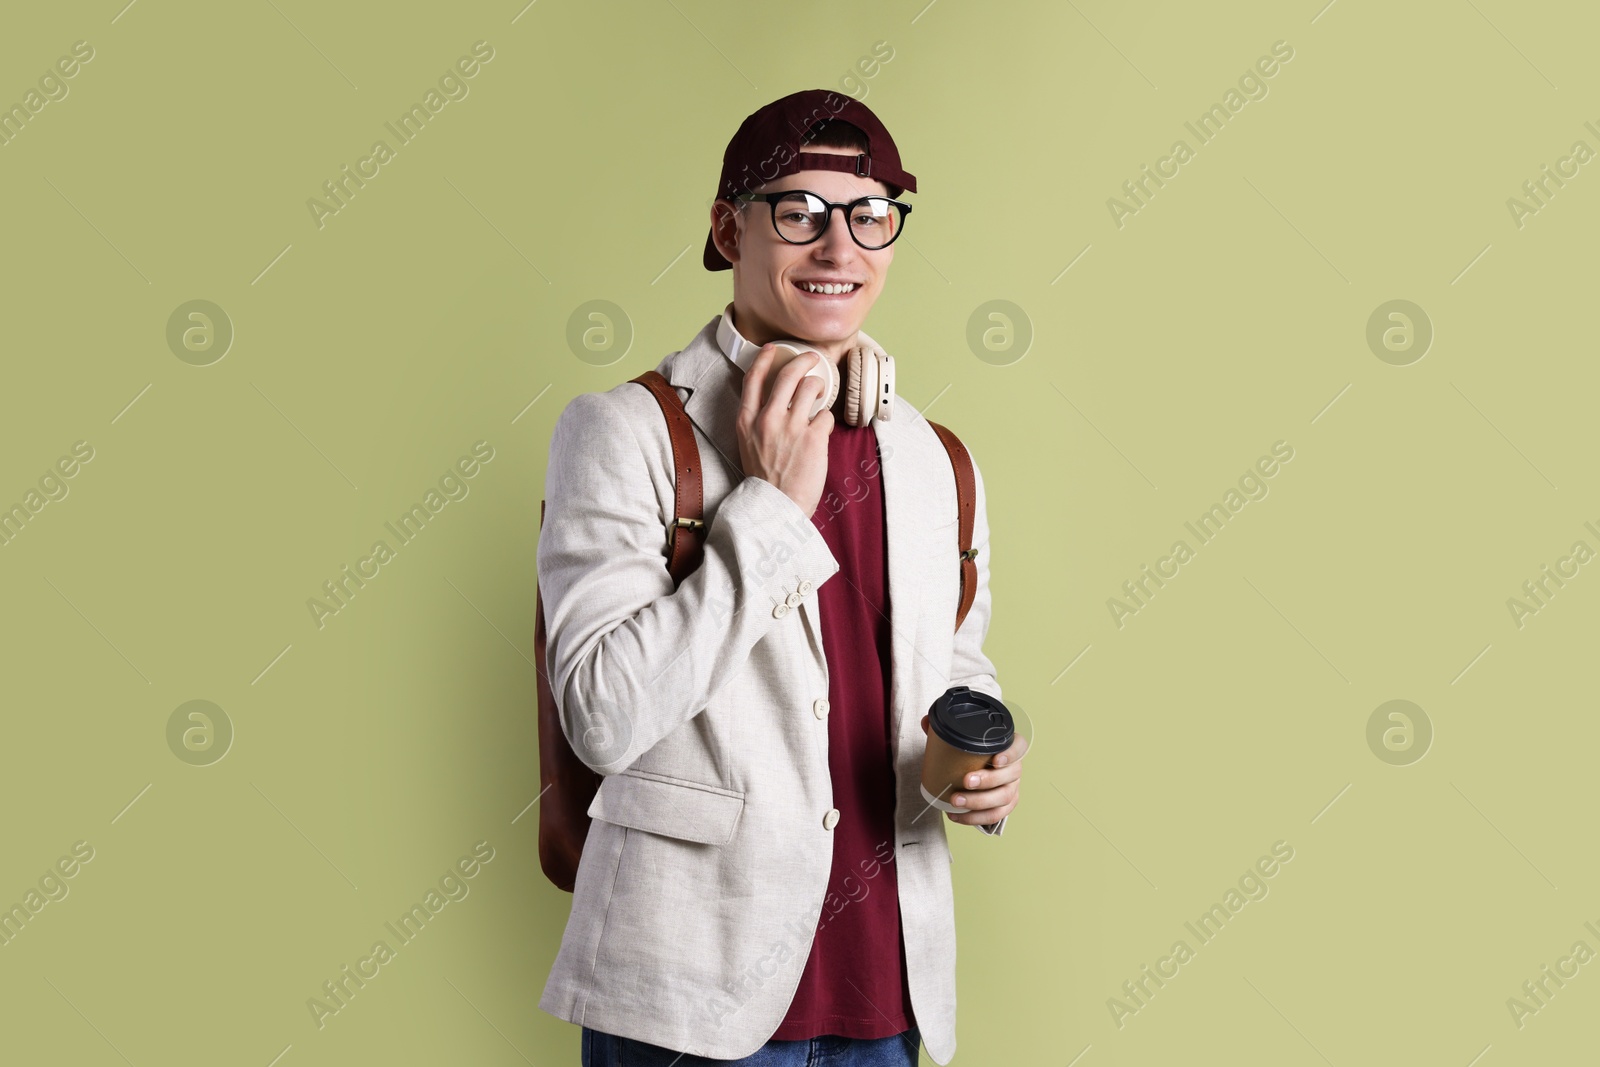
[(854, 983)]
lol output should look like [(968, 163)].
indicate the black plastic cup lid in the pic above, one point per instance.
[(971, 720)]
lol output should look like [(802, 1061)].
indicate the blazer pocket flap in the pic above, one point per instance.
[(671, 807)]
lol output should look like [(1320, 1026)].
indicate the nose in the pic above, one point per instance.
[(836, 238)]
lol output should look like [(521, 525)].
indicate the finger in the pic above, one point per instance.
[(822, 424), (924, 724), (789, 376), (990, 777), (806, 391), (982, 799), (985, 817), (750, 399), (1019, 747)]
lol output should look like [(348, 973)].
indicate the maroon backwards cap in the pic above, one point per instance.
[(767, 146)]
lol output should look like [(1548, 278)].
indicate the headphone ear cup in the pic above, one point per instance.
[(883, 403), (871, 381), (861, 387), (830, 391), (852, 387), (824, 370)]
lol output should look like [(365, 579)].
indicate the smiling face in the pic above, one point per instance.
[(769, 298)]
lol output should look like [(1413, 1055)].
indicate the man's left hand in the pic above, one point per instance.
[(991, 793)]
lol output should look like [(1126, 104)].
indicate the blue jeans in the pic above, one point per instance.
[(608, 1050)]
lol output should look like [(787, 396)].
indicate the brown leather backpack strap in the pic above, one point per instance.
[(966, 509), (686, 533)]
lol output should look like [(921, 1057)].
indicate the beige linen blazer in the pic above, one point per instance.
[(705, 709)]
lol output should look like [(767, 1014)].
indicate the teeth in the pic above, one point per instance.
[(816, 288)]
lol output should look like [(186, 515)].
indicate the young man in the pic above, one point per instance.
[(763, 882)]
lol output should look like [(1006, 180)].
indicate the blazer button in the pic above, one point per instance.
[(830, 820), (820, 706), (804, 587), (780, 611), (793, 600)]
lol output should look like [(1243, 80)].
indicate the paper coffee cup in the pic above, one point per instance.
[(966, 729)]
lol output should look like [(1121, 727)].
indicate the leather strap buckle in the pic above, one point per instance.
[(681, 523)]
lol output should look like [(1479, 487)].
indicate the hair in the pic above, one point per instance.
[(835, 133)]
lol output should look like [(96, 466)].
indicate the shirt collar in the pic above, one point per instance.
[(741, 352), (732, 342)]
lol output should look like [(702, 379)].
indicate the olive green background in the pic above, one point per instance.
[(434, 311)]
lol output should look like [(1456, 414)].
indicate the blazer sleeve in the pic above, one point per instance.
[(969, 666), (629, 658)]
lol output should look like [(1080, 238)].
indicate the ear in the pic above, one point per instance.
[(725, 229)]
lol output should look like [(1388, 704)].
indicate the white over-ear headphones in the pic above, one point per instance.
[(868, 380)]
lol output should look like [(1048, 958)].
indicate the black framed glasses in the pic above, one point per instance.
[(801, 216)]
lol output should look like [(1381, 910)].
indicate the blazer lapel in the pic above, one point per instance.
[(715, 386), (900, 497)]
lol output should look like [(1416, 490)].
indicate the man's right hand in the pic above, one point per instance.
[(777, 440)]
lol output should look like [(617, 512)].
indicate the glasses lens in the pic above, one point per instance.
[(875, 221), (800, 217)]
